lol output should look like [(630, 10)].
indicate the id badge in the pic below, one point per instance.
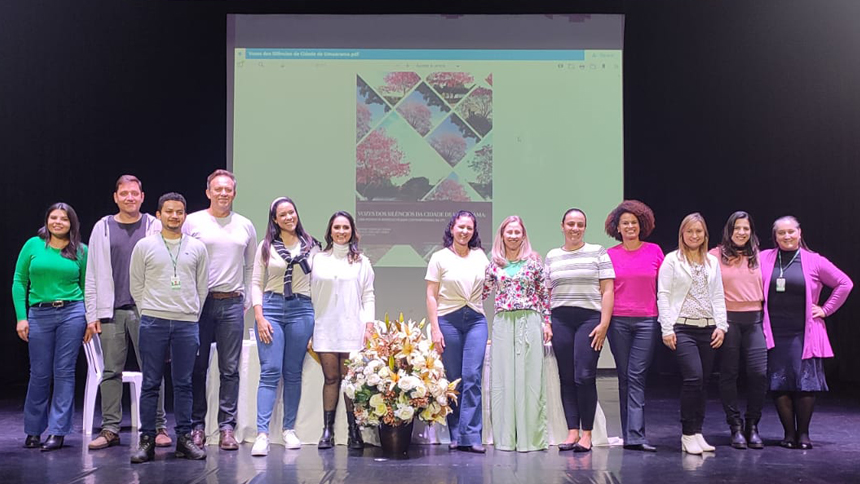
[(780, 284), (176, 285)]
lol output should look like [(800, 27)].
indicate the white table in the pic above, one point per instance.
[(310, 414)]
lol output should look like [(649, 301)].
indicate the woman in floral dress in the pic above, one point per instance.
[(520, 327)]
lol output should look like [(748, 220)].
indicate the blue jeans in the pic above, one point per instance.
[(292, 323), (56, 335), (160, 339), (222, 321), (465, 333), (632, 341)]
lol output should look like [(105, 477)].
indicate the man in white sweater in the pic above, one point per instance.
[(231, 242), (168, 279)]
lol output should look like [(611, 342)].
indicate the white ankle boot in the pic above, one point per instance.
[(705, 446), (690, 444)]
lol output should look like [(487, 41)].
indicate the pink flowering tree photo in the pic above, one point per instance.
[(378, 160), (452, 86)]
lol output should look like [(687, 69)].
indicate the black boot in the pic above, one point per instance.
[(53, 442), (327, 439), (145, 450), (738, 439), (185, 448), (753, 438), (355, 441)]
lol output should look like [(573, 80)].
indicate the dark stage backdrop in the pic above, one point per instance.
[(728, 105)]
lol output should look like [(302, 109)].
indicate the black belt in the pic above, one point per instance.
[(126, 307), (300, 296), (52, 304)]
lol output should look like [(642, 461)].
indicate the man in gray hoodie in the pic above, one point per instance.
[(168, 278), (111, 311)]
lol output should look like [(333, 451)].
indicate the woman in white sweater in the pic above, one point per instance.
[(693, 321), (344, 305)]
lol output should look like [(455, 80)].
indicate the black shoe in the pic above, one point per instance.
[(355, 441), (32, 442), (641, 447), (754, 440), (564, 446), (53, 442), (475, 449), (145, 450), (327, 439), (803, 442), (186, 449), (578, 448), (738, 439), (788, 444)]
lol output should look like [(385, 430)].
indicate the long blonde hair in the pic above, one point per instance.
[(685, 251), (498, 251)]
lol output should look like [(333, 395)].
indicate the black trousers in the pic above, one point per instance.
[(577, 363), (744, 342), (696, 361)]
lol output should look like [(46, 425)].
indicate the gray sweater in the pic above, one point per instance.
[(150, 276)]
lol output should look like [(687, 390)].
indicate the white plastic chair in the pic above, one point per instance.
[(96, 367)]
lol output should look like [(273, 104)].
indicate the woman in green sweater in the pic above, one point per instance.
[(48, 294)]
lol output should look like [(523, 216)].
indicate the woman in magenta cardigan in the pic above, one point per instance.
[(794, 330)]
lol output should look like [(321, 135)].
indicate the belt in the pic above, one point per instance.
[(126, 307), (225, 295), (697, 322), (52, 304), (300, 296)]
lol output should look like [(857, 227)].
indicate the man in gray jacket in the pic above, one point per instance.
[(168, 279), (111, 311)]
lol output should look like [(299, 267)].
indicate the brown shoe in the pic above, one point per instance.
[(105, 439), (198, 437), (162, 439), (228, 441)]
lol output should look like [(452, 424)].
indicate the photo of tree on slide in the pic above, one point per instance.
[(423, 144)]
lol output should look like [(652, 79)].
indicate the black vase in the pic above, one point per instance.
[(395, 440)]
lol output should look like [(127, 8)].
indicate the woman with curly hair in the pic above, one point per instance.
[(634, 330)]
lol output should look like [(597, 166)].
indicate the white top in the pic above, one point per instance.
[(574, 276), (343, 300), (231, 242), (674, 282), (271, 278), (461, 279)]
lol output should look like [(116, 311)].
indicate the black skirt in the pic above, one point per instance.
[(787, 371)]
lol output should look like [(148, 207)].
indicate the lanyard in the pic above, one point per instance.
[(178, 250), (783, 269)]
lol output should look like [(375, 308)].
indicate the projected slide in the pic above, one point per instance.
[(404, 120)]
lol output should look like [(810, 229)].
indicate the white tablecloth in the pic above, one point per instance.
[(310, 414)]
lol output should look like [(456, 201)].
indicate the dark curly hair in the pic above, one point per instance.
[(642, 212), (448, 237)]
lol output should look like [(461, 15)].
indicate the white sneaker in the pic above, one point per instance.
[(261, 445), (690, 444), (704, 444), (290, 440)]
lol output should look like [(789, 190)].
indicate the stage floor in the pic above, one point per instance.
[(834, 460)]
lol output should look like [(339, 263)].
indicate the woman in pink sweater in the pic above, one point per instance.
[(793, 277), (739, 267)]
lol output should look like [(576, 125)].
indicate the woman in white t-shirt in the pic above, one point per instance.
[(455, 279), (580, 279), (345, 310)]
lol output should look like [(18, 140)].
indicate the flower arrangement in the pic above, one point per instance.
[(398, 376)]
